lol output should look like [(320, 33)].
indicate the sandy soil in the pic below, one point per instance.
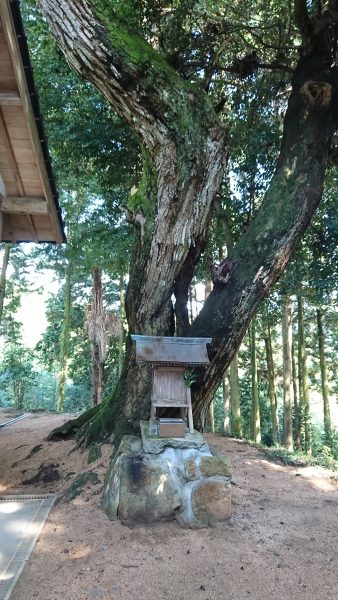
[(281, 541)]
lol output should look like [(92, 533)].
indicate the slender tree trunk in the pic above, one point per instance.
[(5, 261), (65, 334), (255, 414), (18, 389), (303, 379), (296, 407), (323, 373), (98, 337), (287, 369), (235, 402), (211, 417), (226, 404), (271, 382), (191, 309)]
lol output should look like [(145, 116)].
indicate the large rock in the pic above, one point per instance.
[(141, 488), (211, 501), (149, 491), (186, 484), (215, 465)]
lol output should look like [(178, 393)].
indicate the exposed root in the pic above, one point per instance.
[(70, 428), (96, 425)]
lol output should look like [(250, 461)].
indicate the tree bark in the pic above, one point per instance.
[(18, 388), (226, 405), (64, 345), (255, 412), (98, 337), (235, 400), (271, 382), (5, 261), (323, 373), (287, 370), (296, 405), (211, 417), (122, 336), (303, 379), (186, 144)]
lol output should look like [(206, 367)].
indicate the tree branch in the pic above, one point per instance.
[(245, 66), (303, 20)]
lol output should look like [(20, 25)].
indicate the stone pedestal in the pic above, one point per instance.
[(152, 479)]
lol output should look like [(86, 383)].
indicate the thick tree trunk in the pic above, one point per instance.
[(122, 336), (303, 379), (287, 370), (271, 382), (293, 195), (323, 373), (235, 400), (187, 147), (5, 261), (98, 337), (64, 343), (255, 412)]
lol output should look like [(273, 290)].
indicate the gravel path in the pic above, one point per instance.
[(281, 542)]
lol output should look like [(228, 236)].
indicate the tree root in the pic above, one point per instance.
[(97, 424), (70, 429)]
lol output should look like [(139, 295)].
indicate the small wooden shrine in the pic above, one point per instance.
[(170, 357)]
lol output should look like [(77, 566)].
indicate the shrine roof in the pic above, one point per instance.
[(171, 350)]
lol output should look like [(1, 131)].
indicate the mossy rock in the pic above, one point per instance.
[(211, 466)]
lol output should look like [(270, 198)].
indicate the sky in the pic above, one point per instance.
[(32, 312)]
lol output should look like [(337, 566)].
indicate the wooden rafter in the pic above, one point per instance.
[(23, 205), (10, 99), (33, 228), (10, 154), (2, 188)]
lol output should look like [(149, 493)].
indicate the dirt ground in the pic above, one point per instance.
[(281, 541)]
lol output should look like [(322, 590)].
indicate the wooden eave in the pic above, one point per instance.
[(29, 209)]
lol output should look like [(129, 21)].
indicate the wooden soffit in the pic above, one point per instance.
[(29, 209)]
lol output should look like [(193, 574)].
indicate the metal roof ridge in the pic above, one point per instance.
[(170, 339)]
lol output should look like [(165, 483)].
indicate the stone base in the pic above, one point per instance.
[(187, 484)]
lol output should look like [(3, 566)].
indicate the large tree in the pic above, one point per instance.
[(157, 64)]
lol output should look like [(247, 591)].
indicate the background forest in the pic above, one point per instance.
[(285, 368)]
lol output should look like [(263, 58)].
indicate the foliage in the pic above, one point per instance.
[(324, 458), (17, 374)]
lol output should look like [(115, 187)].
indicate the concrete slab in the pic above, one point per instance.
[(21, 521)]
